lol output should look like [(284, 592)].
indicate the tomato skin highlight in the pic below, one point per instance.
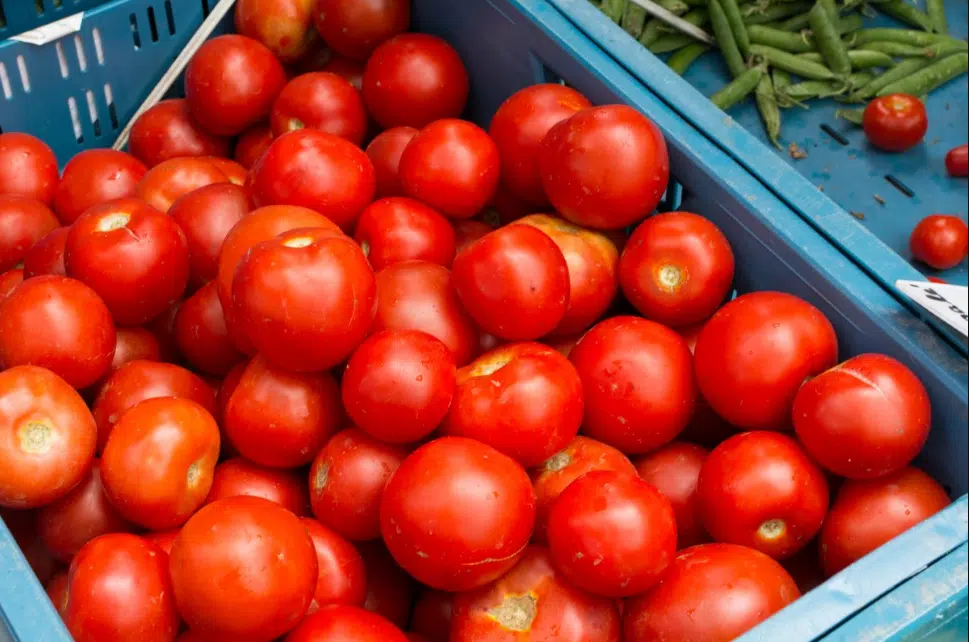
[(940, 241), (895, 123)]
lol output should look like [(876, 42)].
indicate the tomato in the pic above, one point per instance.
[(457, 514), (593, 263), (868, 513), (281, 419), (10, 280), (231, 83), (432, 616), (514, 282), (398, 229), (28, 167), (390, 591), (23, 222), (56, 590), (896, 122), (342, 575), (201, 332), (206, 215), (523, 399), (313, 169), (710, 593), (579, 173), (754, 354), (60, 324), (134, 344), (238, 476), (75, 519), (940, 241), (467, 231), (47, 255), (385, 151), (638, 381), (674, 470), (518, 128), (119, 590), (252, 144), (320, 100), (93, 177), (453, 166), (170, 180), (167, 130), (139, 380), (354, 28), (229, 385), (243, 566), (284, 26), (417, 295), (414, 79), (23, 527), (234, 172), (163, 539), (957, 161), (346, 68), (341, 623)]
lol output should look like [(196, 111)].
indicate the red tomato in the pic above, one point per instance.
[(417, 295), (252, 144), (453, 166), (229, 385), (93, 177), (578, 165), (245, 567), (75, 519), (132, 255), (457, 514), (201, 332), (237, 477), (60, 324), (320, 100), (940, 241), (467, 231), (234, 172), (957, 161), (432, 615), (347, 481), (135, 344), (342, 575), (313, 169), (523, 399), (611, 533), (57, 593), (865, 418), (593, 263), (896, 122), (677, 268), (10, 280), (23, 222), (168, 131), (518, 128), (674, 470), (398, 229), (638, 382), (354, 28), (172, 179), (341, 623), (755, 353), (281, 419), (284, 26), (514, 282), (163, 539), (119, 590), (868, 513), (710, 593), (414, 79), (390, 591), (23, 527), (47, 255), (231, 83), (28, 167), (385, 151), (346, 68), (206, 215)]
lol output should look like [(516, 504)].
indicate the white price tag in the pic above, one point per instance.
[(950, 303), (53, 31)]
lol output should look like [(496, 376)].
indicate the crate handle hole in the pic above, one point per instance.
[(81, 54), (98, 45), (5, 82), (841, 140), (170, 15), (75, 120), (24, 76), (206, 8), (135, 34), (899, 185), (152, 25), (62, 59), (112, 110), (92, 110)]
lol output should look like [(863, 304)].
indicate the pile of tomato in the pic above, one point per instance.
[(387, 371)]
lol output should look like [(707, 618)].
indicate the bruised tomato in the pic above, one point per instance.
[(47, 255), (392, 230), (354, 28), (385, 151), (201, 332), (28, 167), (342, 576), (167, 130), (284, 26), (23, 222), (252, 144), (95, 176), (674, 470), (238, 476), (172, 179), (320, 100)]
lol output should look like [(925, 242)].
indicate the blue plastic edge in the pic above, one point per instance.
[(22, 15)]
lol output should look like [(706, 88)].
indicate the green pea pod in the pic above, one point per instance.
[(901, 70), (853, 116), (887, 34), (755, 14), (930, 78), (676, 7), (861, 59), (898, 49), (814, 89), (725, 39), (792, 63), (670, 42), (785, 41), (829, 41), (905, 12), (738, 89), (768, 108), (852, 23), (651, 33), (796, 23), (682, 59), (614, 9), (697, 17), (936, 12), (736, 21), (947, 46), (781, 79), (634, 20)]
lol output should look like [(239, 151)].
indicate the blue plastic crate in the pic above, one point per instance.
[(508, 45), (18, 16)]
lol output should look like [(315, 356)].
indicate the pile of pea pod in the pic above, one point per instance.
[(787, 52)]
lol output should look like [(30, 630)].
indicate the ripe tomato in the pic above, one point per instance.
[(23, 222), (346, 68), (119, 590), (60, 324), (457, 514), (284, 26), (231, 83), (417, 295), (896, 122), (234, 172), (168, 131), (957, 161), (281, 419), (320, 100), (518, 128), (578, 167), (28, 167), (252, 144), (341, 623), (384, 152), (414, 79), (761, 490), (163, 539), (134, 344), (611, 533), (398, 229), (95, 176), (390, 591), (523, 399), (432, 615), (342, 575), (172, 179), (238, 476), (229, 384), (868, 513), (313, 169), (755, 353), (56, 590), (514, 282), (245, 567), (868, 417), (940, 241), (710, 593), (206, 215), (132, 255), (78, 517), (638, 381), (593, 263), (467, 231), (453, 166), (10, 280), (353, 28), (47, 255), (202, 334), (674, 470)]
